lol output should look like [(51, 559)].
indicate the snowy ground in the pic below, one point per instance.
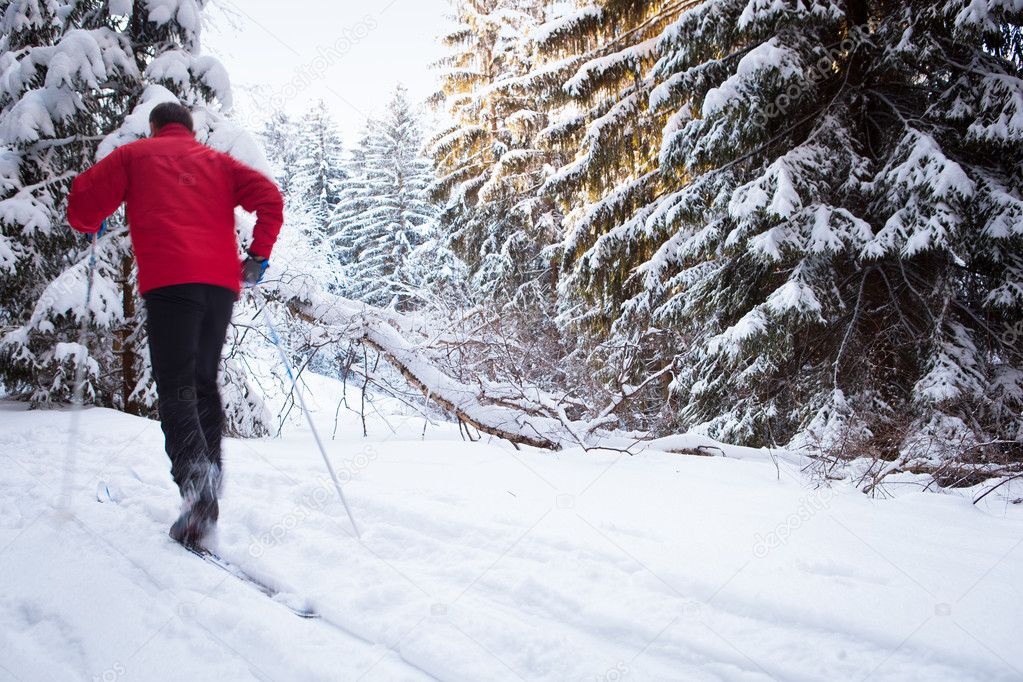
[(482, 563)]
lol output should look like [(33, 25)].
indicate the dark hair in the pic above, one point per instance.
[(171, 112)]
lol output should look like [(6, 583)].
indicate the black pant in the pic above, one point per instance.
[(187, 326)]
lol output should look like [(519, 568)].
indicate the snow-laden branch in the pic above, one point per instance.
[(383, 330)]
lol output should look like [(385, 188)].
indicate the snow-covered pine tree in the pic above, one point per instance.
[(77, 80), (319, 170), (435, 270), (68, 77), (46, 130), (353, 201), (488, 165), (279, 136), (386, 212), (594, 73), (844, 246)]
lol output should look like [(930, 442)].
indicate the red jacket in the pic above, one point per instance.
[(181, 197)]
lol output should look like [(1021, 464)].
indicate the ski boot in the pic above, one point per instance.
[(199, 507)]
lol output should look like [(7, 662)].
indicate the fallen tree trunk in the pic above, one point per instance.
[(525, 416), (379, 329)]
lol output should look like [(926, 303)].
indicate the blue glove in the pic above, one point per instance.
[(253, 269)]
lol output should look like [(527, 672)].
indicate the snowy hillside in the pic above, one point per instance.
[(480, 562)]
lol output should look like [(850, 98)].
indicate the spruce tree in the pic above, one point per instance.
[(593, 72), (386, 212), (804, 217), (829, 221), (79, 79), (319, 169), (279, 136), (353, 202), (849, 235), (488, 163)]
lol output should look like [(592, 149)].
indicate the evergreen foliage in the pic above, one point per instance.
[(319, 167), (78, 79), (488, 164), (385, 212), (808, 213), (849, 225), (279, 136)]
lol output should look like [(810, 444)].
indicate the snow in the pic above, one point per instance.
[(547, 31), (75, 353), (213, 73), (924, 163), (751, 325), (795, 295), (26, 210), (33, 116), (482, 562), (953, 371), (181, 67), (773, 192), (600, 66), (121, 7), (8, 256), (173, 66), (757, 9), (225, 135), (663, 93), (979, 13), (761, 12), (136, 124), (919, 169), (187, 13), (1002, 96), (65, 294), (768, 56)]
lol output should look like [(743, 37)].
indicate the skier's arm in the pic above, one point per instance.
[(257, 194), (98, 192)]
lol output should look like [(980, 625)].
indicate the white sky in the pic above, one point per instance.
[(351, 54)]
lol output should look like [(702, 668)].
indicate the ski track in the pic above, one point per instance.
[(481, 563)]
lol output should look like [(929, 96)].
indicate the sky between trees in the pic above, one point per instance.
[(347, 52)]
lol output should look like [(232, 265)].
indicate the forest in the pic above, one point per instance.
[(792, 225), (610, 341)]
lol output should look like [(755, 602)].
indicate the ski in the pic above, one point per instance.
[(215, 559), (105, 495)]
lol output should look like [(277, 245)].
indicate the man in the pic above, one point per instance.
[(181, 197)]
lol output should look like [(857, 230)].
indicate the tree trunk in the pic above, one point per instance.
[(124, 348)]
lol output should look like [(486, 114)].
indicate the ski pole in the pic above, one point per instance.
[(309, 418), (78, 396)]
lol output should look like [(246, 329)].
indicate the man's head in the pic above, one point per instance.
[(167, 113)]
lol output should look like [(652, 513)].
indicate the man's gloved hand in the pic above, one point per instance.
[(253, 268), (98, 233)]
